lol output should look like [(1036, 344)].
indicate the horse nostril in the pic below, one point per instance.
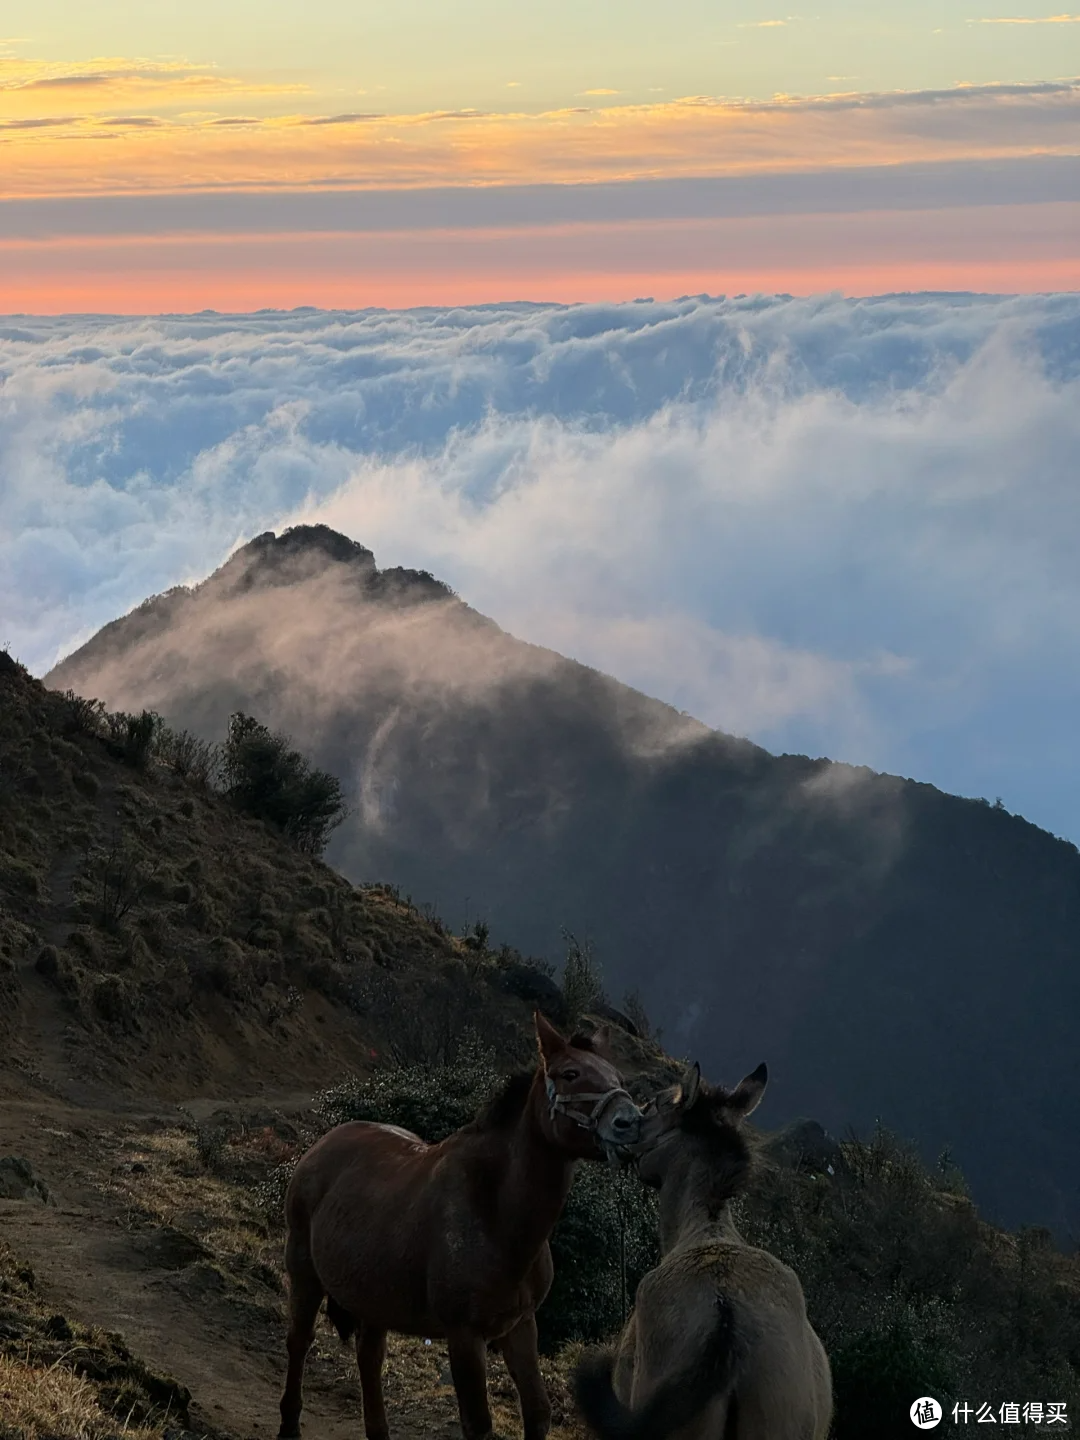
[(627, 1122)]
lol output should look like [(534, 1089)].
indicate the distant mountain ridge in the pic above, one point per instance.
[(890, 950)]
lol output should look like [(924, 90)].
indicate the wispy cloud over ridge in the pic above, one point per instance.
[(842, 527)]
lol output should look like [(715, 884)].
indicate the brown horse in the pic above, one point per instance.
[(718, 1346), (449, 1240)]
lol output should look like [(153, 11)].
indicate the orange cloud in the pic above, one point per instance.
[(73, 150), (109, 81)]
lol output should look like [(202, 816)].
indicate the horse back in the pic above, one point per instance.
[(360, 1154)]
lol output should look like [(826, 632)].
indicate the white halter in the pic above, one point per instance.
[(566, 1103)]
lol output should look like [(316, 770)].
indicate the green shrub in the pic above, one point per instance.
[(211, 1138), (532, 981), (110, 1000), (911, 1293), (132, 737), (266, 779), (81, 717), (431, 1100), (604, 1243), (634, 1009), (87, 783), (123, 880), (879, 1374), (581, 987), (47, 963), (195, 760)]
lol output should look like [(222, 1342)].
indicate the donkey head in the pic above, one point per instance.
[(587, 1111), (693, 1111)]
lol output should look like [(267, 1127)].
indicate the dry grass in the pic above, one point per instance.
[(60, 1380), (41, 1402), (220, 1209)]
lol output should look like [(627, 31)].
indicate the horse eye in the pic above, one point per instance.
[(570, 1074)]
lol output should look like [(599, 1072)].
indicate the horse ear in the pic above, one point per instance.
[(690, 1089), (746, 1096), (549, 1042)]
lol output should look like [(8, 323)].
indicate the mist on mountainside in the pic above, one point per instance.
[(891, 951)]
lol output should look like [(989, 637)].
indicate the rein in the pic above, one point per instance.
[(565, 1104)]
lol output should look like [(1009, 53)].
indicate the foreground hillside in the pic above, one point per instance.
[(151, 935), (892, 951), (176, 983)]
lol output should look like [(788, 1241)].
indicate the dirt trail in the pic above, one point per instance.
[(94, 1265), (98, 1260), (97, 1263)]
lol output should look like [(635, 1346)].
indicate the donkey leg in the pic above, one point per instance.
[(468, 1367), (370, 1355), (305, 1297), (522, 1360)]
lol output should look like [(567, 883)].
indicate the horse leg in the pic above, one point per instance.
[(305, 1297), (370, 1354), (468, 1367), (522, 1360)]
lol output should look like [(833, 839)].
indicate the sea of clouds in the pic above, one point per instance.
[(838, 527)]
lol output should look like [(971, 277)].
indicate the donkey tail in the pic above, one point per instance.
[(675, 1403), (341, 1320)]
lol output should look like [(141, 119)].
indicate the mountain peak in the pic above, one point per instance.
[(307, 540), (301, 551)]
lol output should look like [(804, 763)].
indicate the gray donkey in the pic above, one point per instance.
[(718, 1346)]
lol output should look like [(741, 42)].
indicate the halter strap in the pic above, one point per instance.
[(566, 1104)]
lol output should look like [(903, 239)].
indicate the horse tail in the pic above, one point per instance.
[(341, 1320), (675, 1403)]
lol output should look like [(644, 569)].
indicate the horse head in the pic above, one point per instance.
[(588, 1110)]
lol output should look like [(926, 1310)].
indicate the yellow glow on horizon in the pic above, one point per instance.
[(993, 248)]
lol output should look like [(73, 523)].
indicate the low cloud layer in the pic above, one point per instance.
[(846, 528)]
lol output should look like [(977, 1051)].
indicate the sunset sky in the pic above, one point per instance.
[(814, 490), (237, 156)]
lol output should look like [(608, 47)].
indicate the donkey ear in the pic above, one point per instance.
[(690, 1089), (548, 1040), (746, 1096)]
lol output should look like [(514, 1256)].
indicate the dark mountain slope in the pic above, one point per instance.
[(153, 940), (889, 949)]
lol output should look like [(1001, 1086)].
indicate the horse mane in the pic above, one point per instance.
[(729, 1153), (506, 1106)]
